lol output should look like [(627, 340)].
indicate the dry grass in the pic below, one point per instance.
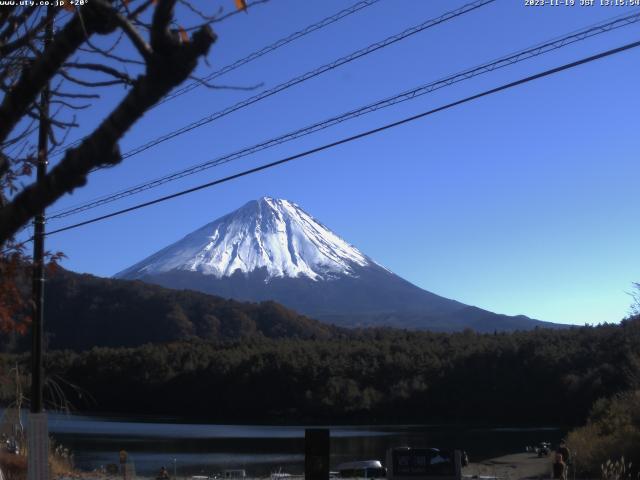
[(611, 435), (618, 470), (14, 466)]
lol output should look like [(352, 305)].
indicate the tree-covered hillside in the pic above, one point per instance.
[(541, 377), (84, 311)]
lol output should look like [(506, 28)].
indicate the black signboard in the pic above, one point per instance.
[(316, 451)]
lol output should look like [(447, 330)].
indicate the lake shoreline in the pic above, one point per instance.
[(517, 466), (309, 422), (260, 449), (302, 423)]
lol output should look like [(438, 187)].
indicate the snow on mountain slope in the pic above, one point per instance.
[(272, 234), (272, 250)]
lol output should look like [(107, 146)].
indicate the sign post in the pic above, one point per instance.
[(316, 453)]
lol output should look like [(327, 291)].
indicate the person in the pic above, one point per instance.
[(123, 463), (464, 459), (563, 450), (163, 475), (559, 467)]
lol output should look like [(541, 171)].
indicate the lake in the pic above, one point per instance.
[(193, 448)]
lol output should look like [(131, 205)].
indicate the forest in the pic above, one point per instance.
[(372, 375), (84, 311)]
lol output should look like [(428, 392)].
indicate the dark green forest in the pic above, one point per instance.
[(540, 376), (84, 311)]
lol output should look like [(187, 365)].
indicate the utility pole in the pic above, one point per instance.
[(37, 430), (317, 448)]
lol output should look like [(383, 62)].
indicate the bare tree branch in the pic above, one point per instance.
[(224, 17), (107, 54), (120, 78), (74, 95), (14, 105), (28, 130), (5, 13), (29, 35), (170, 63), (70, 105), (98, 67), (143, 6), (134, 36), (200, 13), (15, 23), (213, 86)]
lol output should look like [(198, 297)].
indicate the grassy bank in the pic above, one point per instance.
[(608, 445)]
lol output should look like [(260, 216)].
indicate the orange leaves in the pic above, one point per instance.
[(15, 287), (241, 5), (13, 290), (184, 36)]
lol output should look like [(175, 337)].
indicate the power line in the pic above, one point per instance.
[(358, 136), (309, 75), (251, 57), (270, 48), (502, 62)]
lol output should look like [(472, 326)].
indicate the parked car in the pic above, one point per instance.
[(543, 449), (362, 469)]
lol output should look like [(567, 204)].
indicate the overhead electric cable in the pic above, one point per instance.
[(251, 57), (358, 136), (270, 48), (501, 62), (309, 75)]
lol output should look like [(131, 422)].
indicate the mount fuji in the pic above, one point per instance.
[(271, 249)]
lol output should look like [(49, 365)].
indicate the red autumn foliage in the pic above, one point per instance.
[(13, 305), (15, 287), (14, 467)]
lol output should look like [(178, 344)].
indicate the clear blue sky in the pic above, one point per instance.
[(524, 202)]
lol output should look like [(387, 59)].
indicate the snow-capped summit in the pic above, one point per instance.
[(271, 234), (271, 249)]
